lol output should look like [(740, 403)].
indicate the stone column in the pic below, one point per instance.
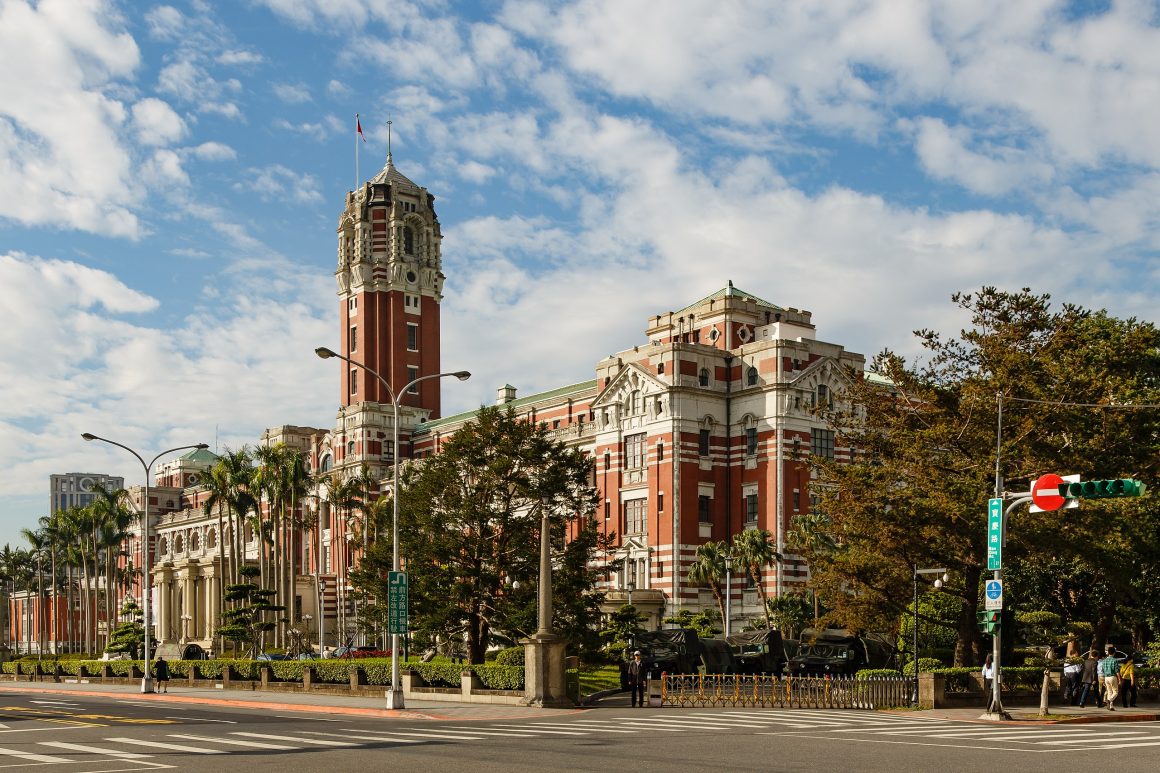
[(545, 682), (162, 576)]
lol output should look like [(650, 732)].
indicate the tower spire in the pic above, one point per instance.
[(389, 161)]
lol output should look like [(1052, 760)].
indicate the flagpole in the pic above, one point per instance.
[(356, 125)]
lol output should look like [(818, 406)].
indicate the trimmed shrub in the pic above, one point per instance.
[(924, 665), (437, 674), (875, 673), (286, 670), (501, 677), (512, 656), (957, 679)]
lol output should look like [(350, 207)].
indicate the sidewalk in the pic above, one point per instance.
[(290, 702)]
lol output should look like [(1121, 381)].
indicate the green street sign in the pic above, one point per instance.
[(994, 534), (397, 602)]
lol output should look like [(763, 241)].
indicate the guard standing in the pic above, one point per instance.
[(636, 679)]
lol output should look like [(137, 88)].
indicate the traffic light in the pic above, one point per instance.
[(1102, 489), (989, 621)]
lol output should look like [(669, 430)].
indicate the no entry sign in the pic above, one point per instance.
[(1045, 492)]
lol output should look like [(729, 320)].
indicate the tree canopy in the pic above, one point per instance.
[(1074, 386)]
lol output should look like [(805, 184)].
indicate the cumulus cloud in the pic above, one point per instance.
[(214, 151), (156, 122), (292, 93)]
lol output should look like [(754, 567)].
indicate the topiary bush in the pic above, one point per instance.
[(500, 677), (512, 656), (925, 665)]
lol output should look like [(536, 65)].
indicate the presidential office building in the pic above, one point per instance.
[(698, 430)]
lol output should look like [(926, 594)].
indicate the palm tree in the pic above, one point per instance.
[(343, 496), (709, 568), (112, 512), (15, 573), (754, 549), (38, 546)]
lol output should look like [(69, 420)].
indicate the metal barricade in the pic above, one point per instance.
[(798, 692)]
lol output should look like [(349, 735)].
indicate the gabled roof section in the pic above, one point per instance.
[(729, 291), (633, 373), (832, 366), (392, 176), (459, 418)]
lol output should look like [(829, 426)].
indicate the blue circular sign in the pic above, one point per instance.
[(994, 589)]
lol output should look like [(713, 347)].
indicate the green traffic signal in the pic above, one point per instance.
[(989, 621), (1103, 489)]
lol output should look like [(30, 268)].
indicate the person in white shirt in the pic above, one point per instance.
[(988, 682)]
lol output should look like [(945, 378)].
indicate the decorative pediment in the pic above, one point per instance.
[(631, 379)]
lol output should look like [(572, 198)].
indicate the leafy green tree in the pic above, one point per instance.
[(620, 631), (245, 623), (129, 635), (924, 436), (754, 550), (790, 612), (705, 623), (470, 520), (708, 570)]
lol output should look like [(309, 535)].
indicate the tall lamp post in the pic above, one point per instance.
[(146, 578), (728, 593), (395, 694), (938, 583)]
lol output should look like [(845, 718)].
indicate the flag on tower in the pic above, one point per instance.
[(358, 127)]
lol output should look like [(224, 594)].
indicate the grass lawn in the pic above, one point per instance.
[(597, 678)]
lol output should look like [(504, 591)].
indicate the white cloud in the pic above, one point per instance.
[(239, 58), (192, 84), (317, 131), (214, 151), (278, 181), (165, 23), (945, 154), (338, 90), (156, 123), (61, 157), (292, 93)]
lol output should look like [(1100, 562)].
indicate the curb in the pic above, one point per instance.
[(595, 697)]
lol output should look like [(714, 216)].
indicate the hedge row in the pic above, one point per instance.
[(1027, 678), (377, 670)]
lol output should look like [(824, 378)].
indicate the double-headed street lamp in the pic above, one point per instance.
[(395, 694), (938, 583), (146, 578)]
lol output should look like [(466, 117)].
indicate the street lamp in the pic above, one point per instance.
[(395, 694), (728, 592), (938, 583), (146, 578)]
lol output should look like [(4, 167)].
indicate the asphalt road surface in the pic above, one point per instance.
[(83, 733)]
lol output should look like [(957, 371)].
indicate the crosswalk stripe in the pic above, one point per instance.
[(538, 725), (366, 736), (32, 756), (315, 741), (232, 741), (697, 723), (549, 731), (1125, 745), (505, 733), (1123, 736), (76, 747), (645, 725), (420, 733), (171, 746)]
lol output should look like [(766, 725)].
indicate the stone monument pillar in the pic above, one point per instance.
[(545, 683)]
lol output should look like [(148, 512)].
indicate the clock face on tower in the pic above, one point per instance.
[(411, 277)]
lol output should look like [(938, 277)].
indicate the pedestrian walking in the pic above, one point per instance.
[(161, 674), (1110, 675), (1072, 672), (1128, 684), (988, 682), (636, 679), (1088, 677)]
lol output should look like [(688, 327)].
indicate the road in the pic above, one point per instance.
[(86, 733)]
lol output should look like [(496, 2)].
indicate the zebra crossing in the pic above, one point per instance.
[(855, 726)]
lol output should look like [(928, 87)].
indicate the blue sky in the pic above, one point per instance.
[(171, 177)]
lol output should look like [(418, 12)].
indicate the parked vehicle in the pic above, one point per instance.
[(758, 652), (679, 651), (838, 651)]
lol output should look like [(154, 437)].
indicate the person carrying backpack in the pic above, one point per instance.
[(1110, 675)]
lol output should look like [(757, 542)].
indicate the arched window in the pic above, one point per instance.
[(635, 402), (751, 377), (324, 466), (408, 240), (703, 379)]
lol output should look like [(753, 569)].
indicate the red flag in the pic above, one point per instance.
[(358, 127)]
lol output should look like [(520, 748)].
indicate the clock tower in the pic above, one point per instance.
[(390, 284)]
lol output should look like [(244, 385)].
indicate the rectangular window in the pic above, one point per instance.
[(703, 504), (797, 501), (353, 338), (660, 501), (635, 516), (412, 374), (751, 441), (607, 509), (354, 381), (750, 508), (412, 337), (703, 443), (607, 461), (660, 452), (822, 442), (634, 452)]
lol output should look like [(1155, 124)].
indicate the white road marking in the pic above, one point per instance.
[(294, 738), (504, 733), (547, 730), (31, 756), (76, 747), (169, 746), (570, 726), (364, 736), (389, 735), (1122, 736), (231, 741), (206, 719)]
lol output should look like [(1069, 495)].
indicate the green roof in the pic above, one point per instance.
[(203, 455), (877, 378), (729, 291), (582, 386)]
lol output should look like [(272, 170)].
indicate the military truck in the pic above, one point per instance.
[(758, 652), (840, 652), (679, 651)]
